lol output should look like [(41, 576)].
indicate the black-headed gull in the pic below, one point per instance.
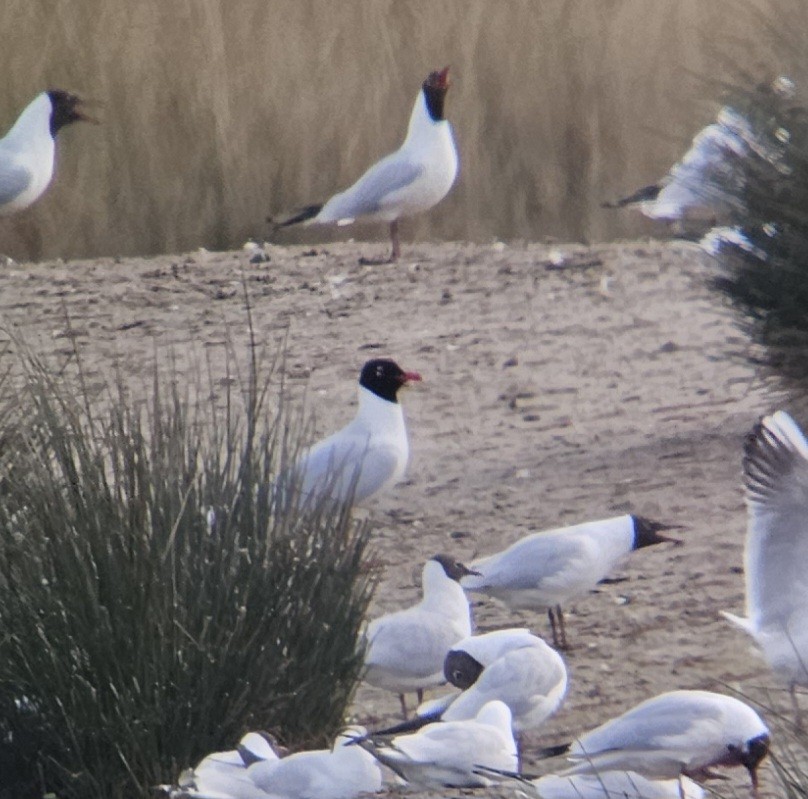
[(776, 479), (448, 754), (406, 649), (547, 569), (511, 665), (674, 734), (27, 151), (412, 179), (708, 181), (343, 772), (368, 454)]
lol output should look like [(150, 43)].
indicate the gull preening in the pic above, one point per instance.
[(449, 754), (28, 150), (409, 181), (674, 734), (775, 468), (546, 570), (371, 452), (406, 649)]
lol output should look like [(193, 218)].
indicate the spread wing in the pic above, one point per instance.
[(776, 481)]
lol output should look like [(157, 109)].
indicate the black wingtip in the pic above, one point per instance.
[(303, 215), (553, 751), (415, 723), (645, 194)]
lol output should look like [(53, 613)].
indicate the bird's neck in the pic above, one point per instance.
[(32, 128), (422, 127), (441, 593), (377, 413)]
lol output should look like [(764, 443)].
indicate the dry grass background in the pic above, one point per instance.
[(219, 112)]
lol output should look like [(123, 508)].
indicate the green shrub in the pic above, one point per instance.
[(157, 597), (766, 280)]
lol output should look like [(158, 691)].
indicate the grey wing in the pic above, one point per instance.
[(525, 564), (14, 180), (370, 193), (776, 481), (669, 721), (411, 644)]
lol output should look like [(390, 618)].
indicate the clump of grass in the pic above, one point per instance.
[(157, 596)]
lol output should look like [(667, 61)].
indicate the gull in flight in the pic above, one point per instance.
[(775, 467)]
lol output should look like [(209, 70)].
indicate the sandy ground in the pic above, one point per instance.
[(551, 396)]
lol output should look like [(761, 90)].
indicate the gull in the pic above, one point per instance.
[(775, 469), (412, 179), (674, 734), (709, 179), (448, 754), (342, 772), (547, 569), (615, 785), (223, 775), (371, 452), (28, 150), (406, 649), (510, 665)]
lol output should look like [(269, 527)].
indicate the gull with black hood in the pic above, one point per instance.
[(409, 181)]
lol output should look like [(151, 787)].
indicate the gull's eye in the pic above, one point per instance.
[(457, 675)]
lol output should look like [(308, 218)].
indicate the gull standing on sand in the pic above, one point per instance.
[(368, 454), (406, 649), (28, 150), (546, 570), (511, 665), (448, 754), (775, 469), (412, 179), (673, 734)]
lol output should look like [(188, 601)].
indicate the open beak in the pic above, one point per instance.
[(82, 104)]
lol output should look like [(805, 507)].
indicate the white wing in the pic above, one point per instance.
[(776, 479)]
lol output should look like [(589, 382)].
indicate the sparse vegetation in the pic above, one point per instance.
[(157, 596)]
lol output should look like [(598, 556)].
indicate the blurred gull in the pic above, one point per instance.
[(546, 570), (776, 480), (615, 785), (223, 775), (706, 184), (342, 772), (371, 452), (447, 754), (28, 150), (406, 649), (412, 179)]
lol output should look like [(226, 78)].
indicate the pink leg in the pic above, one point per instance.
[(394, 240)]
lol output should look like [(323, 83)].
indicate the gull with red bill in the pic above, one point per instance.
[(371, 452), (409, 181)]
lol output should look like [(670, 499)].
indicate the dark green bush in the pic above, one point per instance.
[(766, 279), (157, 597)]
